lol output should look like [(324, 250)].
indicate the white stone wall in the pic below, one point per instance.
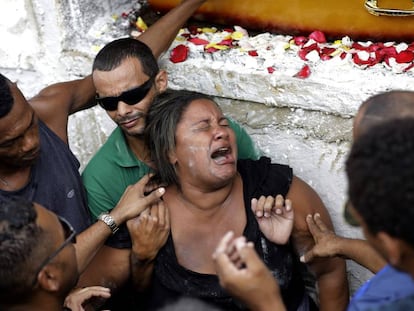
[(304, 123)]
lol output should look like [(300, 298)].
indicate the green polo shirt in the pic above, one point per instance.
[(114, 167)]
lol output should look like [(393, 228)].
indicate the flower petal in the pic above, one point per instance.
[(303, 73), (179, 53)]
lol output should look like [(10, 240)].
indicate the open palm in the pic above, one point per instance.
[(275, 217)]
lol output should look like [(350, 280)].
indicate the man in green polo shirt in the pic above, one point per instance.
[(127, 77)]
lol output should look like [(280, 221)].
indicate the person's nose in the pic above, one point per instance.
[(123, 108), (221, 132), (31, 141)]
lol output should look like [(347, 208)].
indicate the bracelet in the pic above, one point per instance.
[(109, 221)]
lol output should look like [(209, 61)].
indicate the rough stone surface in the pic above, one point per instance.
[(304, 123)]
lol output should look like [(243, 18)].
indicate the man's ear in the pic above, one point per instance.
[(392, 246), (161, 81), (49, 278)]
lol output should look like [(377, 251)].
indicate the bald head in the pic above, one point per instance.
[(383, 107)]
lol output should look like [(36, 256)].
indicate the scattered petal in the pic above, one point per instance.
[(271, 69), (404, 57), (179, 54), (303, 73), (318, 36), (140, 24), (198, 41), (253, 53)]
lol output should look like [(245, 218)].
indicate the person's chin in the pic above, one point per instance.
[(135, 131)]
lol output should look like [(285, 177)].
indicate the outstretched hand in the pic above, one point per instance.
[(135, 200), (326, 241), (275, 217), (244, 275)]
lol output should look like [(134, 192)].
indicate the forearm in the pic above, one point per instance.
[(162, 33), (332, 284), (89, 242), (362, 253), (141, 271), (110, 268)]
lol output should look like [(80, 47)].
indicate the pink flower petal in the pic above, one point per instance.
[(318, 36), (300, 40)]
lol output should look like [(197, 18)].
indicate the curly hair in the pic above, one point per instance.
[(6, 98), (162, 119), (380, 170), (115, 52), (20, 248)]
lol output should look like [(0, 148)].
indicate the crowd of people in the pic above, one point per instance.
[(179, 210)]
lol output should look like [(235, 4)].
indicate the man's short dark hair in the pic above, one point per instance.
[(20, 248), (385, 106), (380, 170), (163, 117), (6, 98), (115, 52)]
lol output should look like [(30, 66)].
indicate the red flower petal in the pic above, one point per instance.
[(271, 69), (303, 73), (300, 40), (302, 54), (198, 41), (409, 67), (357, 46), (179, 54), (371, 61), (253, 53), (228, 42), (328, 50), (404, 57), (211, 50), (318, 36), (325, 57)]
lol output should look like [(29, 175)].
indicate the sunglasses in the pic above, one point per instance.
[(70, 237), (130, 97)]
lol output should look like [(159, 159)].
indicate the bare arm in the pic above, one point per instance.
[(330, 272), (328, 244), (56, 102), (131, 204), (162, 33), (109, 268)]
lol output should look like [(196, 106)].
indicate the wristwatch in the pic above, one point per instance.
[(109, 221)]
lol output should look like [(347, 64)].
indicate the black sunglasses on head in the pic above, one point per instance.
[(70, 237), (130, 97)]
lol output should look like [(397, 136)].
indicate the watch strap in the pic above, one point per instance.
[(109, 221)]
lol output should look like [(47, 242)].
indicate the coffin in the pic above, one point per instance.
[(360, 19)]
